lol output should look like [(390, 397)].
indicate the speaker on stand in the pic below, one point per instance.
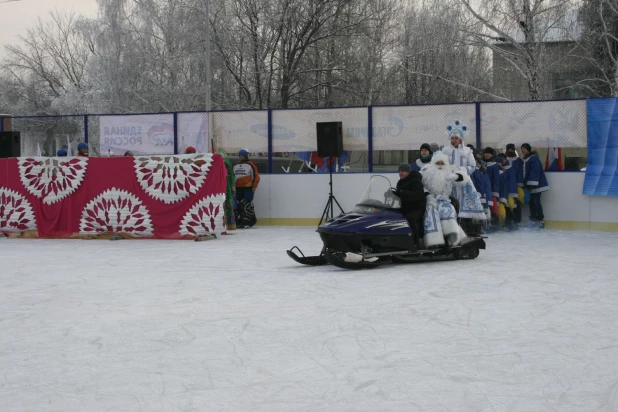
[(330, 139), (330, 144), (10, 144)]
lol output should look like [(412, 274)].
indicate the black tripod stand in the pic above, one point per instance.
[(330, 207)]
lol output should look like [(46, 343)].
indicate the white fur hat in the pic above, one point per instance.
[(439, 156)]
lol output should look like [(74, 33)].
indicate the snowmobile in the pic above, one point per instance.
[(376, 233)]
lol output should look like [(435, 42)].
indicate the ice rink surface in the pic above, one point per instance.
[(235, 325)]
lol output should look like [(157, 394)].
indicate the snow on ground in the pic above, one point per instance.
[(235, 325)]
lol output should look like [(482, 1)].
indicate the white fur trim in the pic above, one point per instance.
[(462, 236), (465, 176), (437, 156), (540, 189), (449, 226), (433, 239), (456, 230), (533, 183), (472, 215), (431, 200)]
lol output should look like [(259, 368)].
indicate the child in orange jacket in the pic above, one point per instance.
[(247, 181)]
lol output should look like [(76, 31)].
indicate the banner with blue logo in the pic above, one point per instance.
[(602, 170), (143, 134), (540, 124), (295, 130), (408, 127)]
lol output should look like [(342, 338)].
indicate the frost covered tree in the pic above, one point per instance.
[(517, 31), (149, 56), (48, 71), (281, 52), (438, 63), (599, 19)]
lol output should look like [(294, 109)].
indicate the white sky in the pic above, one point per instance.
[(18, 16)]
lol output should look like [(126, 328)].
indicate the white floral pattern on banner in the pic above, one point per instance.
[(206, 217), (16, 213), (172, 178), (52, 178), (116, 211)]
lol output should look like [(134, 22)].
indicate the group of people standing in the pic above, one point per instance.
[(82, 151), (507, 182), (448, 192)]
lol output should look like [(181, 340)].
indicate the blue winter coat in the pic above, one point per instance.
[(418, 165), (533, 174), (493, 172), (517, 164), (508, 184), (483, 187)]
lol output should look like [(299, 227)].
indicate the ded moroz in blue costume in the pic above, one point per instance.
[(439, 179)]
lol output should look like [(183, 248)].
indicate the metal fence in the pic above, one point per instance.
[(284, 140)]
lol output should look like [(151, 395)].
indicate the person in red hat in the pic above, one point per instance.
[(190, 150)]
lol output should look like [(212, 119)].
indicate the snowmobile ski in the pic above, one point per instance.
[(338, 259), (307, 260)]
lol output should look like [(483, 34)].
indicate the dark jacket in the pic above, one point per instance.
[(533, 174), (410, 190)]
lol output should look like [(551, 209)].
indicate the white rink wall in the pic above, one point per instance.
[(299, 199)]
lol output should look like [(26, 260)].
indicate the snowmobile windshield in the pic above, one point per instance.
[(378, 195)]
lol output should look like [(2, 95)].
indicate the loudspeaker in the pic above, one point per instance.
[(10, 144), (330, 139)]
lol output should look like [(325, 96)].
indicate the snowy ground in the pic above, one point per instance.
[(235, 325)]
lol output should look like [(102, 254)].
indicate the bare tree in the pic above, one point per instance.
[(149, 55), (438, 64), (599, 19), (50, 68), (517, 31)]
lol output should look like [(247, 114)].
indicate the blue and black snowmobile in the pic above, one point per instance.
[(377, 233)]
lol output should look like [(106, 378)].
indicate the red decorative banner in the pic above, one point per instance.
[(165, 197)]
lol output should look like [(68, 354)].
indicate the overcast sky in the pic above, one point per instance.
[(17, 16)]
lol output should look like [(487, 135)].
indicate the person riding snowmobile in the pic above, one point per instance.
[(412, 194)]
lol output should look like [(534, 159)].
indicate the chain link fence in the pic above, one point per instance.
[(48, 134), (285, 140), (295, 147), (544, 125), (235, 130), (399, 131)]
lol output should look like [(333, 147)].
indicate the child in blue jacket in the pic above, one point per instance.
[(483, 187), (517, 164), (536, 182)]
